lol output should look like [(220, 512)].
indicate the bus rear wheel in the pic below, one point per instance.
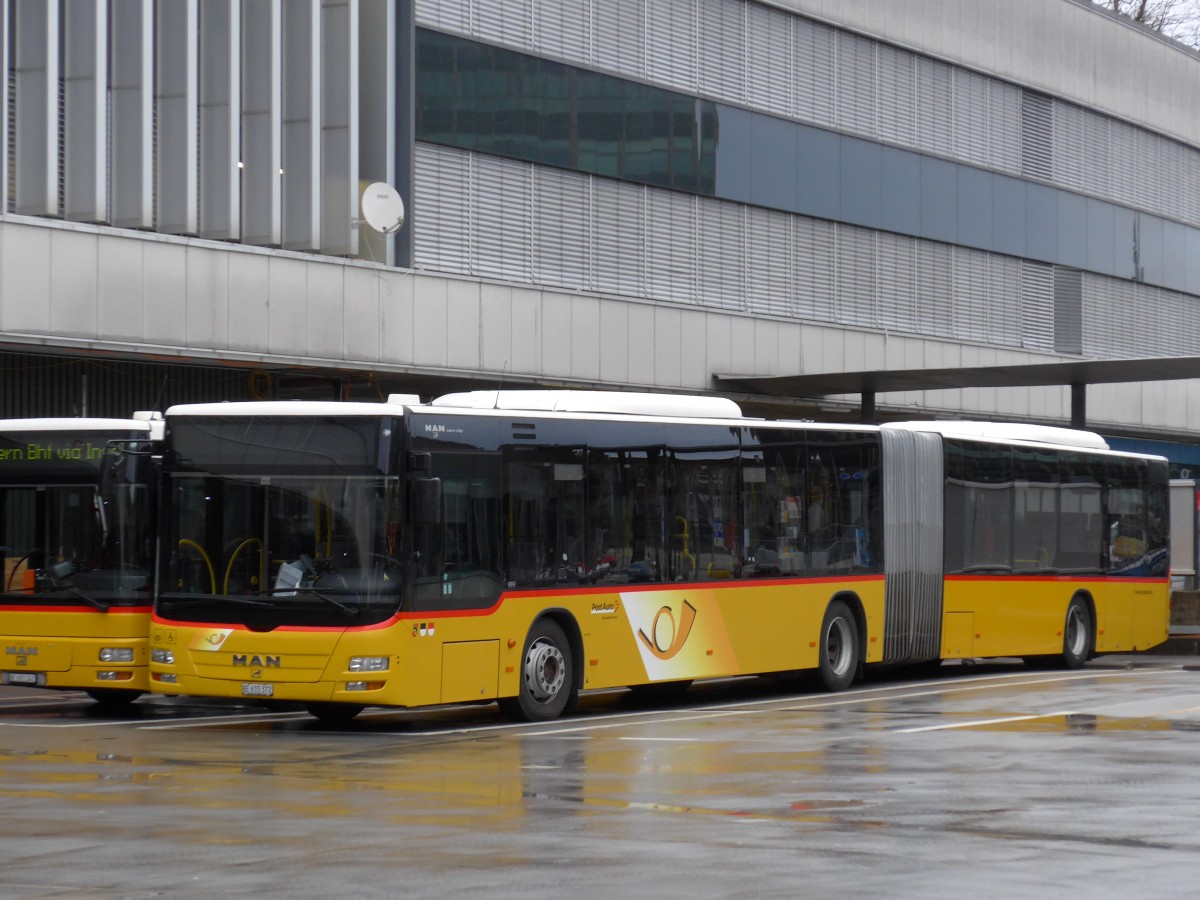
[(838, 649), (1077, 635), (547, 676)]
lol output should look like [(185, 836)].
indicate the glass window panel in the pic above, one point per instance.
[(774, 162), (900, 191), (979, 503), (1041, 222), (1192, 256), (1072, 230), (734, 154), (819, 164), (1101, 237), (861, 182), (1150, 248), (939, 199), (1174, 244), (1008, 215), (1123, 242), (975, 207)]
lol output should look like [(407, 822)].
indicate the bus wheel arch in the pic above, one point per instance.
[(840, 646), (549, 670)]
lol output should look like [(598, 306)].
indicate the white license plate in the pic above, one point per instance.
[(22, 678), (257, 689)]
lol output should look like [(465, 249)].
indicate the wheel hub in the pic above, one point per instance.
[(545, 670)]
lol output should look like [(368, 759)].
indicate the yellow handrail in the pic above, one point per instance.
[(212, 576), (233, 559)]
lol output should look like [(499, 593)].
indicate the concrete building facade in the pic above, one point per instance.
[(614, 193)]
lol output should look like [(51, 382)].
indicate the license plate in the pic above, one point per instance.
[(257, 689), (32, 678)]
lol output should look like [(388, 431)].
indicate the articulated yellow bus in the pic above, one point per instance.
[(77, 529), (524, 546)]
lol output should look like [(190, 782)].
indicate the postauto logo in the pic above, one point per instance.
[(679, 634)]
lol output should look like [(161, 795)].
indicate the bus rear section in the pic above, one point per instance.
[(1053, 547), (77, 528), (518, 549)]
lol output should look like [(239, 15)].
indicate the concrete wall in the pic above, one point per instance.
[(90, 287)]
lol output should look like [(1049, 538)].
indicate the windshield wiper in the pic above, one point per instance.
[(215, 598), (76, 592), (349, 611)]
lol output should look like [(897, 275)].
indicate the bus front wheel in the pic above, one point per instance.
[(547, 676), (838, 650), (333, 714)]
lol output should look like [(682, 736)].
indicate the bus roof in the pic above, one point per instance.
[(287, 408), (681, 406), (1010, 431), (146, 422)]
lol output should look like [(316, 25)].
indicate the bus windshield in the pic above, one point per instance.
[(77, 541), (320, 550)]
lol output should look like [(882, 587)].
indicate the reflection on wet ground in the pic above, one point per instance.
[(991, 780)]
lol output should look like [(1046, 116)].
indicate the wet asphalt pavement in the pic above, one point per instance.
[(992, 780)]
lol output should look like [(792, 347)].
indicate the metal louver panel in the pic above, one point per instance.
[(37, 158), (1068, 310), (971, 123), (857, 261), (506, 21), (935, 92), (1070, 159), (815, 59), (451, 15), (619, 36), (816, 278), (856, 82), (619, 237), (339, 127), (1037, 145), (562, 28), (1039, 307), (671, 42), (301, 134), (561, 228), (1004, 126), (671, 247), (501, 218), (6, 77), (771, 263), (220, 98), (131, 108), (897, 279), (935, 304), (912, 529), (443, 194), (176, 96), (262, 121), (769, 55), (722, 255), (897, 96), (85, 112), (722, 57)]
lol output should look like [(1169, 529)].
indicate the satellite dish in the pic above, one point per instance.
[(382, 208)]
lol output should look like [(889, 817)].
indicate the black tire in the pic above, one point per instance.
[(838, 651), (1077, 635), (333, 714), (547, 676), (658, 692), (113, 698)]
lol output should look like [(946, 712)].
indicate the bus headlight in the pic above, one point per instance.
[(166, 657), (368, 664), (116, 654)]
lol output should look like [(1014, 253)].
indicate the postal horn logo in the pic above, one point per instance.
[(666, 640)]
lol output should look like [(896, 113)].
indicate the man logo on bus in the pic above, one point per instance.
[(668, 640)]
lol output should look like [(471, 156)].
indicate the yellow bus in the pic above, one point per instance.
[(524, 546), (77, 530)]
